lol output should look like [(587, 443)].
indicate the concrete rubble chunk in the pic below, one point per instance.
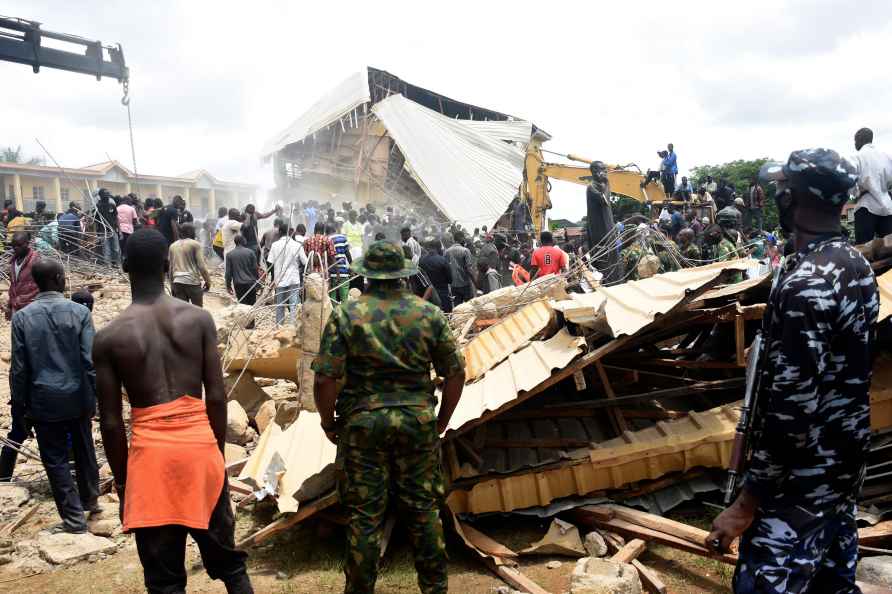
[(104, 526), (236, 423), (234, 453), (243, 388), (562, 538), (876, 570), (594, 544), (64, 548), (12, 496), (603, 576), (286, 413), (265, 414)]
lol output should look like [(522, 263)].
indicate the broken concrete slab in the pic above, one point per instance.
[(64, 548), (603, 576), (12, 496), (595, 544), (243, 388), (876, 570), (234, 453), (236, 423), (562, 538), (265, 414)]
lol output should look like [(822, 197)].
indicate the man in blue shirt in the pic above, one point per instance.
[(340, 271), (669, 171), (53, 380), (70, 229)]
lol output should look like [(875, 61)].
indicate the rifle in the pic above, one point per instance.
[(755, 364)]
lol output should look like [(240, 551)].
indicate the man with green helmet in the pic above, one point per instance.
[(387, 429)]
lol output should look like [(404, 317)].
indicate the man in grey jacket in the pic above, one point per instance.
[(53, 380)]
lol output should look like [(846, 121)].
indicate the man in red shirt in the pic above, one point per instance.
[(548, 259)]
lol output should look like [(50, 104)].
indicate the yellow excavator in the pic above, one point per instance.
[(538, 174)]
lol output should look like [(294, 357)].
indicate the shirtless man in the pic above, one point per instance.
[(167, 492)]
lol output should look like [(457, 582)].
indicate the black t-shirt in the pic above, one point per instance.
[(436, 267), (169, 214)]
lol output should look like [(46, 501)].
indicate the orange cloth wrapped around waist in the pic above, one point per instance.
[(175, 470)]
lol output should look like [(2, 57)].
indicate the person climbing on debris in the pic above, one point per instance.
[(386, 429), (167, 492), (795, 511)]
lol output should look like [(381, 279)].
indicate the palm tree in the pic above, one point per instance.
[(14, 155)]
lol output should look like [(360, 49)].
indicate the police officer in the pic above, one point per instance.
[(796, 508), (387, 430)]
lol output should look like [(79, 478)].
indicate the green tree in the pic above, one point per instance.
[(14, 155), (739, 174)]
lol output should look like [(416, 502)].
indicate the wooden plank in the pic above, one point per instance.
[(654, 522), (514, 578), (739, 339), (616, 417), (583, 517), (649, 578), (466, 329), (693, 364), (469, 451), (23, 517), (630, 551), (285, 522), (871, 536), (484, 543), (452, 460), (654, 414)]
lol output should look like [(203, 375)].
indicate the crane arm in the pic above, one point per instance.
[(21, 42), (622, 181)]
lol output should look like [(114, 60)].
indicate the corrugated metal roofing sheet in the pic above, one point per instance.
[(464, 167), (341, 100), (523, 371), (700, 439), (301, 451), (632, 305), (497, 342)]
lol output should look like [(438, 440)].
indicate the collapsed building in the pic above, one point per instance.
[(377, 139), (601, 409)]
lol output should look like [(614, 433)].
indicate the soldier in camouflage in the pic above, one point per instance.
[(387, 430), (631, 255), (796, 509), (687, 247)]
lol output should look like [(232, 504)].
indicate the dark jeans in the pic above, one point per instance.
[(869, 225), (124, 238), (72, 500), (246, 294), (189, 293), (162, 552), (461, 294), (445, 299), (18, 432), (668, 180)]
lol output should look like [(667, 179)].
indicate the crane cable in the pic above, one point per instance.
[(125, 101)]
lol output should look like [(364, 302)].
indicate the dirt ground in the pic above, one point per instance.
[(308, 559)]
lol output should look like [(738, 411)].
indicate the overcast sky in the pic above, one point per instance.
[(211, 81)]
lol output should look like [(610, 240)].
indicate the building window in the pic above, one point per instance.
[(293, 170), (11, 194), (64, 197), (38, 192)]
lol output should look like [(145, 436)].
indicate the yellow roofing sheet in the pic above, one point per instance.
[(632, 305), (700, 439), (524, 370), (497, 342)]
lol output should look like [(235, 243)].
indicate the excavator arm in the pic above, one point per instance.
[(537, 175), (22, 41)]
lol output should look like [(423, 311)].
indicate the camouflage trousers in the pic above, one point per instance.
[(384, 452), (793, 550)]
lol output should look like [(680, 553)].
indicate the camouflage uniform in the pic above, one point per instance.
[(808, 461), (667, 262), (384, 342), (691, 252), (726, 250)]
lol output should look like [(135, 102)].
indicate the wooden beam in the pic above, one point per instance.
[(655, 414), (285, 522), (616, 417), (469, 451), (728, 384), (739, 340), (630, 551), (514, 578), (871, 536), (649, 578), (655, 522), (484, 543), (693, 364), (540, 442)]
